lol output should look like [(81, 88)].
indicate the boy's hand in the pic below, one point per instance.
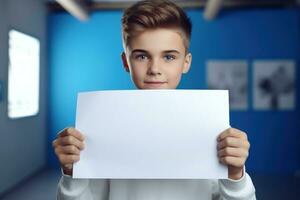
[(233, 150), (67, 147)]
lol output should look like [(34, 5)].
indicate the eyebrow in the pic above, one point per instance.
[(144, 51)]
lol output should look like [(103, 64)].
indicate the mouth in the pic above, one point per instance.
[(154, 84)]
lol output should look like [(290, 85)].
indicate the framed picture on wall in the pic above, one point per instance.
[(274, 84), (230, 75)]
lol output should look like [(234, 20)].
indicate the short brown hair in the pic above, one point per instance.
[(151, 14)]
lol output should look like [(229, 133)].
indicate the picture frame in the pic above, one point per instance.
[(230, 75), (274, 85)]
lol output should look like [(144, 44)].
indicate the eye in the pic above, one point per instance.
[(169, 57), (141, 57)]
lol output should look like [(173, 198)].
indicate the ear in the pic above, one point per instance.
[(187, 63), (124, 60)]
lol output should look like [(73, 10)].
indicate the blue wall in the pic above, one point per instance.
[(86, 56)]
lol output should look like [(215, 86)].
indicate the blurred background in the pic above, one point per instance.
[(51, 50)]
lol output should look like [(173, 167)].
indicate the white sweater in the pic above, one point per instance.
[(140, 189)]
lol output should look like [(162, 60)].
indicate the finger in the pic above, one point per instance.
[(66, 159), (233, 142), (54, 143), (69, 149), (232, 132), (234, 152), (232, 161), (68, 166), (73, 132), (70, 140)]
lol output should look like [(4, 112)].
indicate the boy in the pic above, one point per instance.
[(156, 35)]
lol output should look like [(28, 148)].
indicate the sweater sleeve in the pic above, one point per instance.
[(228, 189), (82, 189)]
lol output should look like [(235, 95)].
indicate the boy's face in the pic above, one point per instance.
[(156, 59)]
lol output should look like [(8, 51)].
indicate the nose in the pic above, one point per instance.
[(154, 68)]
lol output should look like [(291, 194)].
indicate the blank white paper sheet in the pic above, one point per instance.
[(151, 134)]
